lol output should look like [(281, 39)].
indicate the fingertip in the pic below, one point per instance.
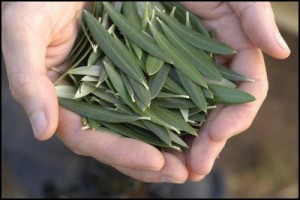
[(283, 50), (44, 117)]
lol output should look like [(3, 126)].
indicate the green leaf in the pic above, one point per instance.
[(129, 132), (170, 95), (176, 139), (231, 75), (86, 71), (147, 15), (116, 81), (185, 113), (224, 82), (173, 119), (173, 103), (180, 14), (180, 62), (197, 58), (103, 94), (95, 57), (90, 79), (131, 13), (134, 34), (160, 131), (140, 91), (225, 95), (194, 38), (65, 91), (128, 87), (153, 65), (199, 117), (157, 81), (208, 93), (195, 92), (113, 49), (193, 111), (96, 112), (83, 90), (173, 86)]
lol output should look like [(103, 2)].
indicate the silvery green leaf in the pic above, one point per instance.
[(83, 90), (65, 91), (86, 71)]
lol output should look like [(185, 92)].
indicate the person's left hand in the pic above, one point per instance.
[(246, 26)]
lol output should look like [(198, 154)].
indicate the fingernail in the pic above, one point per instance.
[(169, 179), (280, 41), (38, 122)]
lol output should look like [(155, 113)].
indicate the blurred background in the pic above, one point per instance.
[(261, 162)]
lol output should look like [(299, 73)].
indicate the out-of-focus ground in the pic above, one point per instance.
[(263, 161)]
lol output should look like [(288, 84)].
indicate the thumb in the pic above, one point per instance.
[(24, 55), (258, 21)]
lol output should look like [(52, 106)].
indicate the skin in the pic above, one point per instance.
[(37, 36)]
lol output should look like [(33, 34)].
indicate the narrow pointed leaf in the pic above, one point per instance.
[(199, 117), (128, 87), (176, 139), (102, 94), (87, 71), (174, 119), (89, 79), (134, 34), (180, 62), (160, 131), (206, 67), (83, 90), (195, 38), (123, 130), (97, 113), (208, 93), (224, 82), (195, 92), (181, 10), (173, 103), (157, 81), (95, 57), (225, 95), (153, 65), (170, 95), (131, 13), (185, 113), (171, 85), (231, 75), (113, 49), (65, 91), (140, 91)]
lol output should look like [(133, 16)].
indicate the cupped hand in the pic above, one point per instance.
[(39, 36), (249, 27)]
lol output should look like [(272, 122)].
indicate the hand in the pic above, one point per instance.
[(247, 27), (39, 36)]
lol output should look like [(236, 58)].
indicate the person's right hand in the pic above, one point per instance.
[(39, 36)]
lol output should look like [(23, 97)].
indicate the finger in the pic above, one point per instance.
[(204, 150), (235, 119), (24, 55), (192, 176), (258, 21), (174, 171), (106, 147)]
